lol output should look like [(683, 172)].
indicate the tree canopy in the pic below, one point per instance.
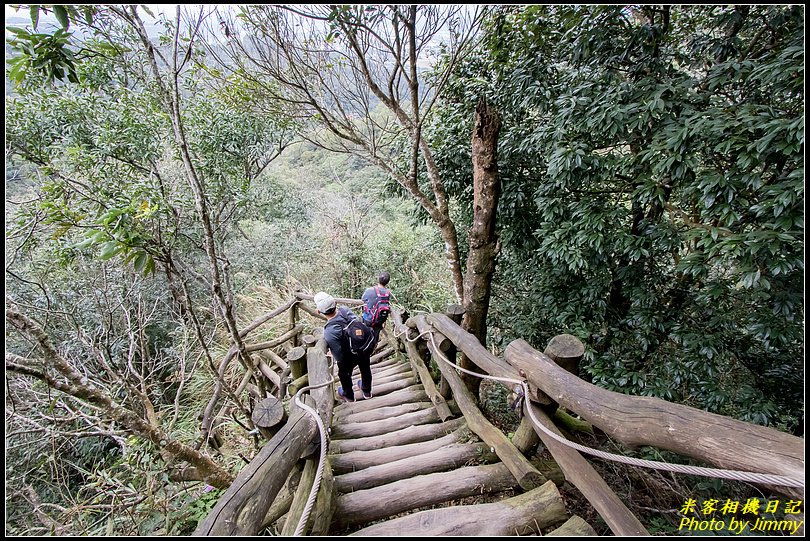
[(653, 176)]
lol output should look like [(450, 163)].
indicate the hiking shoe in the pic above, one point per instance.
[(366, 395), (343, 396)]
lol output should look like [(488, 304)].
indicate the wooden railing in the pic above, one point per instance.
[(271, 485)]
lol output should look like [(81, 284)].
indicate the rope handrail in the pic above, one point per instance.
[(736, 475), (316, 483)]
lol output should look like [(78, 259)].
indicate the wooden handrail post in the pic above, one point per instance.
[(269, 416), (455, 312), (293, 319), (308, 341), (297, 360), (565, 350), (525, 473)]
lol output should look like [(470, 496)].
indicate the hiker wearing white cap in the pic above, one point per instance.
[(351, 343)]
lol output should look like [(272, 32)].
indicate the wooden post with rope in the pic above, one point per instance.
[(565, 350), (455, 312), (293, 319)]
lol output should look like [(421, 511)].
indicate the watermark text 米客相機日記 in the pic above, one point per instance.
[(735, 518)]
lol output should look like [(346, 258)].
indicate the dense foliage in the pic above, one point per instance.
[(105, 251), (653, 168)]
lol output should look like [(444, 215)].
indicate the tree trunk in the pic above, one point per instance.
[(220, 285), (483, 240)]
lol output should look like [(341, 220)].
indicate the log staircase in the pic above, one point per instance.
[(419, 458), (392, 455)]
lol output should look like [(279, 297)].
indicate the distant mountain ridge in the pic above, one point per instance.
[(48, 23)]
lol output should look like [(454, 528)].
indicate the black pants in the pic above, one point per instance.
[(345, 369), (376, 330)]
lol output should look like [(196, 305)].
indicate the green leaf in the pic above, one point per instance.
[(110, 249), (34, 10), (19, 31), (83, 244), (17, 71), (61, 15), (140, 261), (150, 265)]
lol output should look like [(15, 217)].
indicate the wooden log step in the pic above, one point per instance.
[(383, 353), (389, 361), (377, 374), (385, 371), (391, 386), (372, 504), (449, 457), (388, 370), (415, 393), (360, 460), (384, 426), (387, 412), (391, 377), (525, 514), (412, 434), (392, 367), (573, 527)]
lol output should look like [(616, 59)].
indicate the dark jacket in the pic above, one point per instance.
[(333, 333)]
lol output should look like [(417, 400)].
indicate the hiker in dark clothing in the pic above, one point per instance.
[(333, 334), (377, 307)]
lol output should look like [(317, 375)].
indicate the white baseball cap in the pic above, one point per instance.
[(325, 302)]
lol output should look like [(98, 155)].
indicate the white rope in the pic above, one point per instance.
[(316, 483), (414, 339), (679, 468)]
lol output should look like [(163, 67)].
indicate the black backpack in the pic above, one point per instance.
[(377, 314), (358, 337)]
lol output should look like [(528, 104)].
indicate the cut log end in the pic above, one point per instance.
[(296, 353), (573, 527), (268, 413), (455, 312), (566, 350), (531, 480)]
